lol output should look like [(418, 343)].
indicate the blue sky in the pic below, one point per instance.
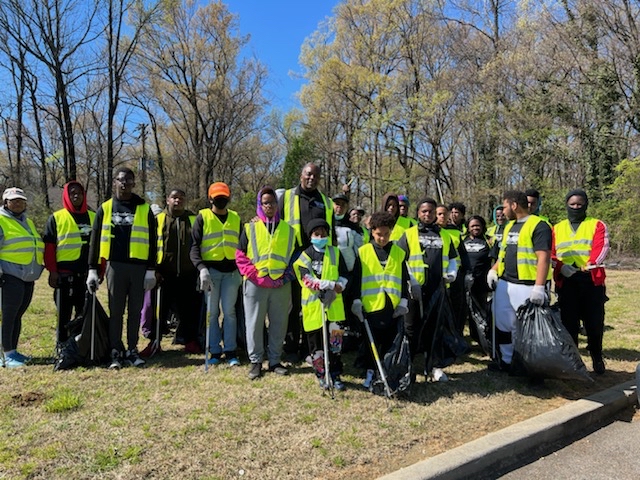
[(278, 29)]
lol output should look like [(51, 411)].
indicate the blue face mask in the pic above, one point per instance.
[(339, 217), (320, 243)]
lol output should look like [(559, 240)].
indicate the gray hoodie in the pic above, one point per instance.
[(26, 273)]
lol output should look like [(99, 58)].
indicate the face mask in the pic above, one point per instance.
[(339, 217), (576, 215), (320, 243), (220, 202)]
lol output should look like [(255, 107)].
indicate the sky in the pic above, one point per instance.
[(278, 29)]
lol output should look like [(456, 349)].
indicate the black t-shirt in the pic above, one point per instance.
[(478, 251), (541, 241)]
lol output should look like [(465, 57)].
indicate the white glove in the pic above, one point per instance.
[(327, 284), (205, 283), (538, 295), (567, 270), (492, 279), (93, 281), (416, 291), (450, 277), (401, 309), (327, 297), (356, 309), (149, 280)]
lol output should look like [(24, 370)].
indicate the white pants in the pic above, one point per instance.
[(507, 299)]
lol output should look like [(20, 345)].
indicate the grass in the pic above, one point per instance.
[(171, 420)]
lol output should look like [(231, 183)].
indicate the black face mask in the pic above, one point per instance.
[(576, 215), (220, 202)]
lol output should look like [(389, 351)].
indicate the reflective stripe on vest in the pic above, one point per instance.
[(20, 245), (526, 258), (292, 212), (139, 240), (377, 281), (310, 300), (219, 241), (574, 248), (270, 254), (69, 240), (402, 224), (415, 263), (160, 219)]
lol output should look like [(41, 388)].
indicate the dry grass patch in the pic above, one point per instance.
[(171, 420)]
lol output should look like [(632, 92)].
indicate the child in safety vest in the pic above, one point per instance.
[(322, 273), (381, 280)]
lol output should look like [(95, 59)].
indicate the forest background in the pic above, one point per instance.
[(459, 99)]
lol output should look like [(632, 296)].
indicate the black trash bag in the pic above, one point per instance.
[(397, 365), (480, 314), (447, 343), (542, 346), (68, 356)]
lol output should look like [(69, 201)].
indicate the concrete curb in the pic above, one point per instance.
[(504, 447)]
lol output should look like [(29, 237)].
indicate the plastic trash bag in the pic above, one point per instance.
[(542, 346), (397, 366), (480, 315)]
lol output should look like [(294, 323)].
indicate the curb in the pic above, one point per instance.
[(506, 446)]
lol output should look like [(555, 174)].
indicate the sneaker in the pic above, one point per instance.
[(338, 384), (598, 364), (323, 384), (193, 347), (134, 359), (255, 371), (368, 379), (214, 360), (21, 358), (115, 364), (10, 361), (278, 369), (233, 362), (437, 375)]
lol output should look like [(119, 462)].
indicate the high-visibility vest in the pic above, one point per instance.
[(270, 254), (20, 245), (526, 258), (139, 239), (310, 299), (219, 241), (69, 242), (574, 248), (292, 212), (415, 263), (402, 223), (378, 281), (160, 219)]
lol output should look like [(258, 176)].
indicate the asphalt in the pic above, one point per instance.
[(504, 450)]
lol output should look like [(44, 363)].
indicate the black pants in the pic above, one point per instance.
[(16, 297), (580, 299), (314, 339), (71, 289), (178, 294)]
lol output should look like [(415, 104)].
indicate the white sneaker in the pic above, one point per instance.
[(438, 375), (368, 379)]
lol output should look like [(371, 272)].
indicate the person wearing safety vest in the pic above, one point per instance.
[(521, 272), (215, 235), (580, 246), (323, 275), (21, 264), (380, 286), (494, 232), (391, 205), (431, 262), (297, 207), (355, 217), (264, 259), (534, 203), (66, 254), (403, 208), (124, 235)]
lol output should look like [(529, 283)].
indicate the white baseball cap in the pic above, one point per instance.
[(12, 193)]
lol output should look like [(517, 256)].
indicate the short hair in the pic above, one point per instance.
[(480, 218), (532, 192), (178, 190), (517, 196), (426, 200), (442, 205), (125, 170), (381, 219), (458, 206)]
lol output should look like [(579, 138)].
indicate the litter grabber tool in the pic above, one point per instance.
[(374, 350), (207, 341), (328, 381)]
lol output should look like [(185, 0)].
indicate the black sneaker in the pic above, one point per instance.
[(278, 369), (255, 371), (133, 359), (598, 364), (116, 363)]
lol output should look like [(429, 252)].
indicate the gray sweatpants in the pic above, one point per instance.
[(125, 282), (258, 303)]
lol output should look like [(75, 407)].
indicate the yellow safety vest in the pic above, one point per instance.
[(310, 300), (160, 219), (574, 248), (69, 240), (292, 212), (415, 263), (376, 281), (402, 223), (526, 258), (219, 241), (139, 240), (270, 254), (20, 245)]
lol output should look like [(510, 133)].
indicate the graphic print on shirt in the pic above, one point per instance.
[(431, 242), (512, 238), (124, 219)]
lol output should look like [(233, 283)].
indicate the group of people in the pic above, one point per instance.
[(307, 271)]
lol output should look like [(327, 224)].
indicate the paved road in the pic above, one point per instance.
[(612, 452)]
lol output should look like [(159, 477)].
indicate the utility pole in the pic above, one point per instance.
[(143, 159)]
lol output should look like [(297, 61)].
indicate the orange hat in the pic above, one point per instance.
[(219, 189)]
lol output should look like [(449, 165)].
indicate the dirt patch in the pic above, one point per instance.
[(28, 399)]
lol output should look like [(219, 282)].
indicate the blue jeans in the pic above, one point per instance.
[(223, 331)]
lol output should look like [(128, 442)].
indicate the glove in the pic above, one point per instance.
[(416, 291), (450, 277), (468, 281), (149, 280), (538, 295), (567, 270), (327, 284), (492, 279), (205, 284), (327, 296), (93, 281), (311, 282), (356, 309), (401, 309)]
